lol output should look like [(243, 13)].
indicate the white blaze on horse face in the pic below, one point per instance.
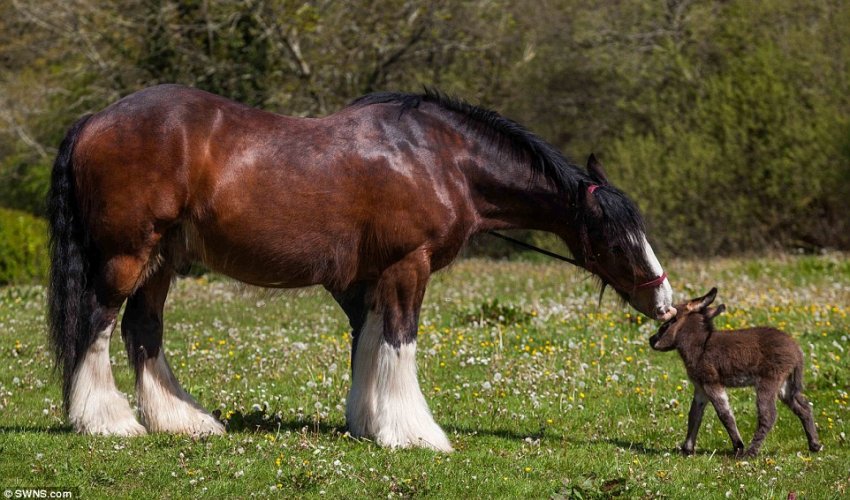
[(385, 401), (655, 302), (166, 407), (95, 404)]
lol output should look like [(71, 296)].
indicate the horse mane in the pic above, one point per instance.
[(622, 219), (510, 136)]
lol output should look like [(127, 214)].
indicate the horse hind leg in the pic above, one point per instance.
[(95, 405), (385, 401), (164, 406)]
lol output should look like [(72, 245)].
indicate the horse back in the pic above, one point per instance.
[(269, 199)]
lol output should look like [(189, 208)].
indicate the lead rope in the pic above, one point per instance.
[(590, 189), (536, 249)]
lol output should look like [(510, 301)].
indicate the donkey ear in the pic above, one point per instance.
[(700, 303), (712, 312), (594, 168)]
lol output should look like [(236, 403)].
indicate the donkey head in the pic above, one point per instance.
[(614, 246), (693, 316)]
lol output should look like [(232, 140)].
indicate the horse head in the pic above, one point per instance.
[(612, 244)]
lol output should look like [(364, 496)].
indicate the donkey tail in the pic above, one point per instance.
[(795, 379), (69, 307)]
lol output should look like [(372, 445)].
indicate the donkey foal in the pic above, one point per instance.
[(763, 357)]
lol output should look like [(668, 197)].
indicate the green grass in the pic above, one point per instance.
[(542, 392)]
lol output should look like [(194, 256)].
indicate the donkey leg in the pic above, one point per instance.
[(385, 401), (800, 406), (163, 404), (766, 407), (95, 406), (717, 395), (694, 419)]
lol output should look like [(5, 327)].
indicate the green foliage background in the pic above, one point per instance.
[(728, 122), (23, 247)]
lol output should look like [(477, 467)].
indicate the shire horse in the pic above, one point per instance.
[(366, 202)]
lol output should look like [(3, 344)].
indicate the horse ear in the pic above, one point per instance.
[(714, 311), (594, 168)]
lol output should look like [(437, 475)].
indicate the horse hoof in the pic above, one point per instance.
[(104, 413), (126, 427), (197, 424)]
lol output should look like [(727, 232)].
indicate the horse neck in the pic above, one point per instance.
[(507, 196)]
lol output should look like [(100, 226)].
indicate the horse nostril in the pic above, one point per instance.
[(664, 313)]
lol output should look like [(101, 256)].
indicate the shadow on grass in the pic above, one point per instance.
[(507, 434), (260, 421), (26, 429), (646, 450), (637, 447)]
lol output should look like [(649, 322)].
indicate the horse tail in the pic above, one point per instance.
[(69, 305)]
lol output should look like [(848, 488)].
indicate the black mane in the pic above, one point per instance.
[(544, 159), (621, 217)]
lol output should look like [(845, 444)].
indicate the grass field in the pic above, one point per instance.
[(543, 393)]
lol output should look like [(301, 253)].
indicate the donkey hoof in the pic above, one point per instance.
[(815, 447), (687, 451)]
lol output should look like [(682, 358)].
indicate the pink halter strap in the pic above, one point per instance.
[(649, 284), (657, 281)]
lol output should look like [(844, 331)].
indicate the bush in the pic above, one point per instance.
[(23, 247)]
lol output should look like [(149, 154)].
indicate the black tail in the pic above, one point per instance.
[(69, 305)]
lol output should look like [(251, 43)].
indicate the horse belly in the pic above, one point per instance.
[(277, 257)]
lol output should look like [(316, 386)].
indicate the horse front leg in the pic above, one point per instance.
[(385, 402)]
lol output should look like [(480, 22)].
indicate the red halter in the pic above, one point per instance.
[(653, 283)]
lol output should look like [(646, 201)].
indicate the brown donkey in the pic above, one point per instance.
[(763, 357)]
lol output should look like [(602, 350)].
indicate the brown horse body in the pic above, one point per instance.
[(290, 176), (367, 202)]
